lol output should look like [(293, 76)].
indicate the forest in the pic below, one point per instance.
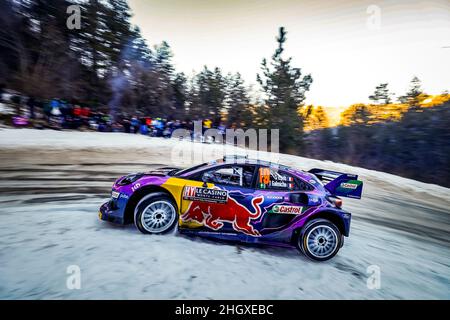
[(412, 144), (106, 64)]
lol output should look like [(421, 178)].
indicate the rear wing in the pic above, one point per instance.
[(340, 184)]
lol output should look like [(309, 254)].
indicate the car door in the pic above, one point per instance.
[(285, 197), (224, 203)]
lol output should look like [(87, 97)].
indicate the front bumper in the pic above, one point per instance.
[(106, 213)]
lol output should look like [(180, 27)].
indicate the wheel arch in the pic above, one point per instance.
[(329, 215), (138, 195)]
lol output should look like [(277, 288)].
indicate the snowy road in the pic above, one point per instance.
[(53, 183)]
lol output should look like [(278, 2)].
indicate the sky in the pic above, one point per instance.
[(348, 46)]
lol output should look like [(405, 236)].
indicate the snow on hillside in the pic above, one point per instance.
[(53, 182)]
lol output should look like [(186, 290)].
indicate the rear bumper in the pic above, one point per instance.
[(346, 220), (105, 213)]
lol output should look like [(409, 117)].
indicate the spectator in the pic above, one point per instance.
[(2, 89), (31, 103), (135, 124), (144, 128)]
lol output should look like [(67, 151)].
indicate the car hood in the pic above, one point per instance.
[(164, 171)]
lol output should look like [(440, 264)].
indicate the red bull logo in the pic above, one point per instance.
[(213, 215)]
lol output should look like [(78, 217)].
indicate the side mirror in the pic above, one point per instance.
[(299, 198), (207, 177)]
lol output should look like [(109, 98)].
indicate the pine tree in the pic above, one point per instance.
[(208, 94), (137, 50), (382, 95), (239, 112), (356, 114), (415, 93), (35, 48), (119, 30), (217, 93), (314, 118), (285, 90), (180, 92), (164, 77)]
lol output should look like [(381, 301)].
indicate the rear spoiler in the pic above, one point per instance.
[(340, 184)]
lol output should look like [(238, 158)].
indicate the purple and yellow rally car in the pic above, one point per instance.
[(239, 199)]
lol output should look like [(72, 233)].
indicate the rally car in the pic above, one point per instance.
[(240, 199)]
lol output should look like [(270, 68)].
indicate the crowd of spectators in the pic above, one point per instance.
[(59, 114)]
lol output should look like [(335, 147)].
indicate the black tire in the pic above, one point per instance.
[(152, 208), (319, 234)]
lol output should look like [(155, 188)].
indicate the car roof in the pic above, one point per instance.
[(241, 160), (245, 160)]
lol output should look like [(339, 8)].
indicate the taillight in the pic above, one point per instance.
[(337, 202)]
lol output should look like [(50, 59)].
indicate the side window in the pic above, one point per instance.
[(304, 186), (272, 179), (239, 176)]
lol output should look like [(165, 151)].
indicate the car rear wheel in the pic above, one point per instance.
[(320, 240), (155, 214)]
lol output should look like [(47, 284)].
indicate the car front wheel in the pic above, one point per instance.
[(320, 240), (155, 214)]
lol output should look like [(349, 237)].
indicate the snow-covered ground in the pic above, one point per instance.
[(53, 183), (5, 109)]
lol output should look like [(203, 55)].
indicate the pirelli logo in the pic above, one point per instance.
[(205, 194)]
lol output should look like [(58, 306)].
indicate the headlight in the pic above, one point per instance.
[(115, 194), (130, 179)]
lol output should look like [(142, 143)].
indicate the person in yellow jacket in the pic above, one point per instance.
[(207, 123)]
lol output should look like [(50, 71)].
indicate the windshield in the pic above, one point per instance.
[(187, 170)]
